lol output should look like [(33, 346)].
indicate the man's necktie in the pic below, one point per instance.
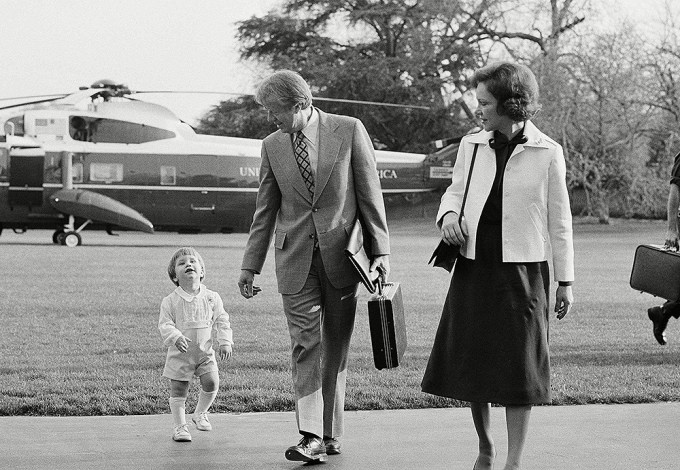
[(302, 159)]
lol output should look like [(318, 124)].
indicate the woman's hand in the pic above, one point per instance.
[(454, 233), (564, 299)]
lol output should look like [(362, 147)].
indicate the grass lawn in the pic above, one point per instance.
[(80, 335)]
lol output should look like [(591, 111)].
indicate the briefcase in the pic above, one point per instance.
[(656, 271), (388, 329)]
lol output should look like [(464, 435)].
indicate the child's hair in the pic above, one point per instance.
[(187, 250)]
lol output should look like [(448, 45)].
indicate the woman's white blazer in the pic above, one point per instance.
[(536, 211)]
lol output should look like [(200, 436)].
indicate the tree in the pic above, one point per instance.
[(240, 117), (600, 118), (662, 92), (522, 26), (385, 51), (418, 52)]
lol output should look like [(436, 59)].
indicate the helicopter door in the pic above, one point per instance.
[(201, 201), (189, 199), (26, 171)]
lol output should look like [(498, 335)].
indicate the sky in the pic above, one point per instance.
[(55, 46)]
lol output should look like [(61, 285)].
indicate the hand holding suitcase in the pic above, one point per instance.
[(388, 328)]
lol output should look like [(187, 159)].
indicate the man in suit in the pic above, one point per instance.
[(318, 173), (660, 315)]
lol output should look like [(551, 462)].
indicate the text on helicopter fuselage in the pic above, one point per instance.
[(255, 172)]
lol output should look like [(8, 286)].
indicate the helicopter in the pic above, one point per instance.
[(98, 157)]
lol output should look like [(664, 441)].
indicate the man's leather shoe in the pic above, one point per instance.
[(309, 449), (332, 445), (660, 321)]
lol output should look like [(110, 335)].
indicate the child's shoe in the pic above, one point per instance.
[(181, 433), (201, 422)]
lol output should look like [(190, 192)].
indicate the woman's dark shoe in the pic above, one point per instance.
[(660, 322), (309, 449)]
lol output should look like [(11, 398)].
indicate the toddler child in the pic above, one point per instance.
[(188, 317)]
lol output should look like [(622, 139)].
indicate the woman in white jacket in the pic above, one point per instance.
[(492, 342)]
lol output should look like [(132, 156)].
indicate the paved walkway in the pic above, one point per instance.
[(603, 437)]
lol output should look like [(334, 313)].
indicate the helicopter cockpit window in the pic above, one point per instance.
[(15, 125), (79, 129), (99, 130)]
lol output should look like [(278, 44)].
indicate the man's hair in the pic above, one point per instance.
[(285, 87), (187, 250), (514, 86)]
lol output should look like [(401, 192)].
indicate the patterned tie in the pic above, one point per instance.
[(302, 158)]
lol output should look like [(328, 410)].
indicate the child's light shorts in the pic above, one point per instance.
[(198, 360)]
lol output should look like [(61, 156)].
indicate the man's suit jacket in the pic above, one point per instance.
[(346, 181), (536, 210)]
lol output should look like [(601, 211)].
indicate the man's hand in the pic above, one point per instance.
[(182, 343), (382, 265), (454, 233), (224, 352), (564, 299), (245, 284), (671, 242)]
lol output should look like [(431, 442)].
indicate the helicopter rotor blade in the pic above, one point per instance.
[(57, 95), (317, 98), (27, 103), (374, 103)]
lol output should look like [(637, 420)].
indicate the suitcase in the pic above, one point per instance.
[(386, 322), (656, 271)]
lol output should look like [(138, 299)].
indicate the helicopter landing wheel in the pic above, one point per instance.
[(55, 236), (72, 239)]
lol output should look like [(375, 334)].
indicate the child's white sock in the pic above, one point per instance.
[(177, 407), (205, 399)]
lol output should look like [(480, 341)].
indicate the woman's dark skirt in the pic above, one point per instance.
[(492, 342)]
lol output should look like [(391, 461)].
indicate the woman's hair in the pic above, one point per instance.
[(514, 86), (285, 87), (187, 250)]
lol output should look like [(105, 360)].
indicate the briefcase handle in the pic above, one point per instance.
[(380, 282)]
